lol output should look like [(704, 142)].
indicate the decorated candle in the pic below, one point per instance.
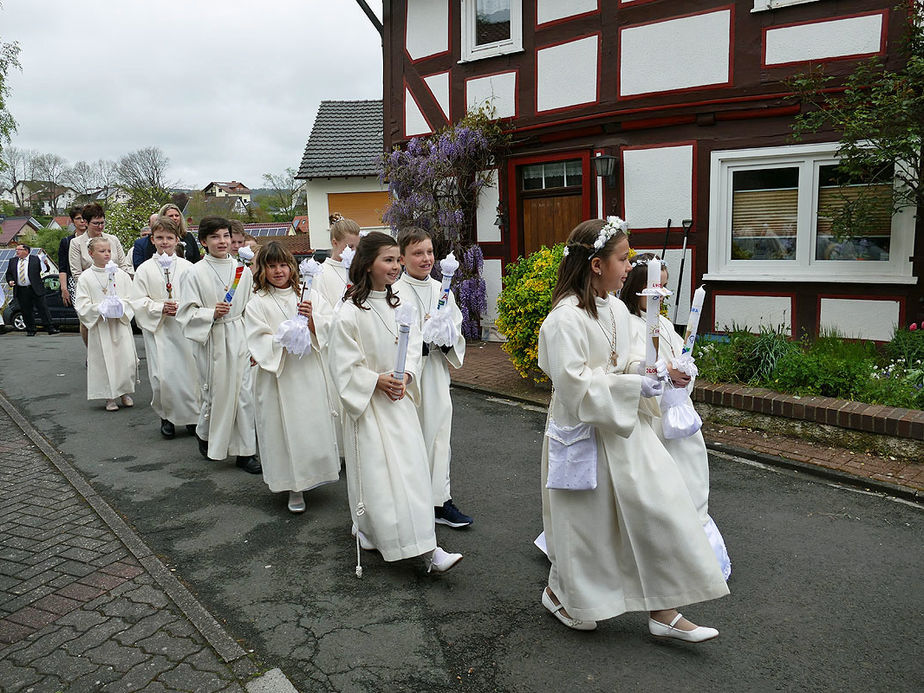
[(404, 315), (689, 338), (237, 280), (652, 311)]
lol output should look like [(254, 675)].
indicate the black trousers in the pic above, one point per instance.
[(29, 302)]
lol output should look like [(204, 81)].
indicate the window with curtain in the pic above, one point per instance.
[(854, 220), (765, 214)]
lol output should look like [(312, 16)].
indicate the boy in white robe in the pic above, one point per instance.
[(171, 363), (111, 358), (417, 287), (297, 441), (621, 530), (388, 475), (215, 322), (330, 285)]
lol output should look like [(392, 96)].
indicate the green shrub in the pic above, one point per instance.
[(523, 304), (815, 373), (907, 344), (768, 348)]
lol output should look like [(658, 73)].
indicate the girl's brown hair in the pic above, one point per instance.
[(575, 272), (366, 252), (341, 227), (167, 224), (636, 282), (271, 253)]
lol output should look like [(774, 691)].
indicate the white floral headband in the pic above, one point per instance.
[(612, 226)]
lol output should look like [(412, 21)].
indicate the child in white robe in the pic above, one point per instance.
[(297, 441), (111, 359), (435, 409), (226, 423), (689, 453), (388, 476), (171, 363), (331, 285), (621, 530)]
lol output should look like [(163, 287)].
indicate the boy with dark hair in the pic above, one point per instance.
[(417, 288), (211, 311)]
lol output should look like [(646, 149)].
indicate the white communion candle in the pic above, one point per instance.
[(689, 339), (652, 313)]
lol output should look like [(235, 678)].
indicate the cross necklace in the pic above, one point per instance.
[(379, 316)]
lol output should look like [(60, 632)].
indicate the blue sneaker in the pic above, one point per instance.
[(451, 516)]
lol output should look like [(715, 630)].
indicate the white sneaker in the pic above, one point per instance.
[(296, 502), (440, 561)]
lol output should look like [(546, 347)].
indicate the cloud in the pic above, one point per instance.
[(227, 90)]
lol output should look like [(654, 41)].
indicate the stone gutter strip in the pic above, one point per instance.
[(870, 418), (210, 629)]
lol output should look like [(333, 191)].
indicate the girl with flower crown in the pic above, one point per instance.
[(388, 470), (621, 530)]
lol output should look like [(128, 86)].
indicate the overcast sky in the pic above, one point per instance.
[(229, 89)]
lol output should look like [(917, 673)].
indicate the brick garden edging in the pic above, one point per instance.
[(868, 418)]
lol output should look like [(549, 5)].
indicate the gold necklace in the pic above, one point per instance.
[(614, 357), (378, 315), (423, 309), (104, 285), (227, 284)]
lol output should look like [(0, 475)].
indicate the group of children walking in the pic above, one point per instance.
[(217, 366), (625, 511)]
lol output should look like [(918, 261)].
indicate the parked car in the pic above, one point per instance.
[(61, 315)]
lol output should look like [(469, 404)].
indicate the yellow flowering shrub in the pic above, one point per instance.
[(523, 304)]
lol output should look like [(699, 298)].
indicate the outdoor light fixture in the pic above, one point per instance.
[(605, 166), (501, 220)]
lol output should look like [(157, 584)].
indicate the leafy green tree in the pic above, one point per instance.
[(126, 219), (879, 114), (9, 59)]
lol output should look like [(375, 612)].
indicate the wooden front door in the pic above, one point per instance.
[(549, 220)]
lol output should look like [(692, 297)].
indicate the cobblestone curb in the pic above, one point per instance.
[(84, 603)]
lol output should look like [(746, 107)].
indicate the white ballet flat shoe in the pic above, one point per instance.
[(364, 542), (663, 630), (296, 502), (440, 561), (556, 611)]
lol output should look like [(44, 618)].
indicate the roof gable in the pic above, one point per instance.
[(347, 139)]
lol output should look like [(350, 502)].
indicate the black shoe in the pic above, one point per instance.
[(203, 447), (191, 429), (30, 334), (249, 464), (54, 330), (167, 429), (451, 516)]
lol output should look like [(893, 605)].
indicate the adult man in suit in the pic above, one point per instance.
[(24, 274)]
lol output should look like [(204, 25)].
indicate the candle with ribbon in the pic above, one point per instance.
[(405, 315), (689, 337), (654, 293), (166, 262), (346, 259), (111, 305), (439, 329), (294, 334)]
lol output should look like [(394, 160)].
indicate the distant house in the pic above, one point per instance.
[(6, 195), (60, 223), (199, 206), (230, 189), (104, 196), (340, 167), (42, 196), (300, 224), (15, 228)]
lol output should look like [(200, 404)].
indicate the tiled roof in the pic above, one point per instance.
[(347, 139), (300, 223), (13, 226)]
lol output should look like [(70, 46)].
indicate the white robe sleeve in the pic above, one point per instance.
[(87, 308), (354, 381), (124, 289), (607, 400), (322, 314), (195, 318), (456, 355), (149, 313), (265, 350)]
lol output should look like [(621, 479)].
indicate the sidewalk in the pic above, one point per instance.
[(487, 369), (84, 604)]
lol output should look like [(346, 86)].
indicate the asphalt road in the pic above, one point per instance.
[(826, 588)]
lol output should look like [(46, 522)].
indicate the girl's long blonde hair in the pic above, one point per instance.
[(166, 208)]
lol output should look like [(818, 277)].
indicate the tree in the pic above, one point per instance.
[(281, 198), (82, 177), (144, 169), (878, 114), (126, 219), (9, 59), (107, 176), (51, 168)]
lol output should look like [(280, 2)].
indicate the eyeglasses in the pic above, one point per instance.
[(98, 223)]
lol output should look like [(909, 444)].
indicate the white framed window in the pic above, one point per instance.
[(491, 27), (762, 5), (774, 217)]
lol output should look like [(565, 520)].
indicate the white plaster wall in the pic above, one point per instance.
[(492, 279), (318, 213), (414, 121), (439, 85), (550, 10), (859, 319), (427, 27), (752, 312), (500, 89), (675, 54), (672, 257), (566, 74), (828, 39), (658, 185), (486, 214)]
